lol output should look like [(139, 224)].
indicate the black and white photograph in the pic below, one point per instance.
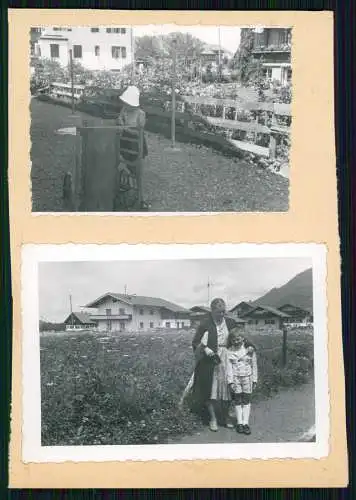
[(160, 119), (150, 351)]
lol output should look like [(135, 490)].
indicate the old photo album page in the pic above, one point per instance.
[(166, 352)]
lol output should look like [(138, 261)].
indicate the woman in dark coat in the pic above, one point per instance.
[(209, 346)]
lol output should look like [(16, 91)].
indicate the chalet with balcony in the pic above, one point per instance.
[(199, 313), (241, 308), (266, 317), (210, 54), (296, 314), (272, 46), (77, 321), (132, 313)]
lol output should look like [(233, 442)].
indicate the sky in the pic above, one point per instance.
[(229, 35), (183, 282)]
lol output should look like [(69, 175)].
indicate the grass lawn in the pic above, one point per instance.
[(125, 389), (196, 178)]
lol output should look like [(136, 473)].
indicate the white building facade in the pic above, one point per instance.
[(95, 48), (131, 313)]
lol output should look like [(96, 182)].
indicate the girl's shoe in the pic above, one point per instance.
[(229, 425), (246, 429), (213, 426), (240, 428)]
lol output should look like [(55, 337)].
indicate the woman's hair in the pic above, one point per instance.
[(217, 302), (233, 333), (236, 331)]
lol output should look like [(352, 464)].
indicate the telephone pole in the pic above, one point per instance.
[(174, 77), (209, 289), (219, 70), (132, 56), (72, 79), (71, 309)]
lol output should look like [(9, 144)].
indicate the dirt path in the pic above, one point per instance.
[(283, 418)]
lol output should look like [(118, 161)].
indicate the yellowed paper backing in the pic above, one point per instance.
[(312, 217)]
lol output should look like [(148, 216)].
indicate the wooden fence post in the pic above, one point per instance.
[(284, 345), (273, 141)]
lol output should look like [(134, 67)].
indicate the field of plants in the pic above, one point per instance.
[(126, 389)]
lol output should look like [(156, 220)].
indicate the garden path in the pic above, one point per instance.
[(282, 418)]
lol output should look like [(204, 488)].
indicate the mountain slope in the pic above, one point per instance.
[(297, 292)]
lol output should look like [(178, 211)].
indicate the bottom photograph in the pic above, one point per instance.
[(165, 345)]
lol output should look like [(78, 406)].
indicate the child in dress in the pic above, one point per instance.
[(242, 377)]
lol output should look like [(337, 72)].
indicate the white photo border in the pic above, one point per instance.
[(33, 452)]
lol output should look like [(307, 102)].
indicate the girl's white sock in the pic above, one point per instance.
[(238, 410), (246, 409)]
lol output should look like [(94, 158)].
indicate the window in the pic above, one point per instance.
[(121, 310), (122, 326), (108, 312), (97, 50), (122, 31), (151, 324), (152, 312), (141, 325), (54, 50), (168, 324), (94, 30), (77, 51), (141, 312), (269, 321), (118, 52)]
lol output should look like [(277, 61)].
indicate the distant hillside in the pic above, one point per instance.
[(298, 292)]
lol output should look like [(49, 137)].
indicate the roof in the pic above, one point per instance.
[(269, 309), (203, 309), (84, 318), (240, 304), (139, 300), (305, 309)]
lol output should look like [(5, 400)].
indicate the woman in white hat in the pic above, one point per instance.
[(133, 118)]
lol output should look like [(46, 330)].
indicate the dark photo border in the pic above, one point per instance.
[(345, 124)]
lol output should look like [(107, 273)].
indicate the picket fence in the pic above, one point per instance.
[(224, 113)]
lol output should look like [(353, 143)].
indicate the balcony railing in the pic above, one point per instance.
[(121, 317), (285, 47)]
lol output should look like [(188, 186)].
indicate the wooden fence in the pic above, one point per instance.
[(224, 114)]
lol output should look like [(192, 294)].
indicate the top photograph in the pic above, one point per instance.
[(160, 119)]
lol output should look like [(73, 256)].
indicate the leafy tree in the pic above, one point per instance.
[(148, 47), (156, 47), (243, 60)]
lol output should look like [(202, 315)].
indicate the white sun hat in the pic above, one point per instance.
[(131, 96)]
